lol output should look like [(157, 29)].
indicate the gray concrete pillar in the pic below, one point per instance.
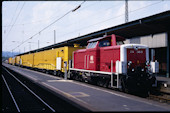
[(153, 55), (168, 36)]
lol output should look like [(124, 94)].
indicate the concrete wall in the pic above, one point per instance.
[(155, 41), (158, 43)]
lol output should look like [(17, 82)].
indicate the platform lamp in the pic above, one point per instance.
[(12, 52), (15, 42)]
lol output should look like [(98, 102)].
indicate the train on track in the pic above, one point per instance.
[(106, 61)]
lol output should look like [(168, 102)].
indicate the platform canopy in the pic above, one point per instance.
[(157, 23)]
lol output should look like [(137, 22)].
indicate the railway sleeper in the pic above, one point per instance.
[(160, 98)]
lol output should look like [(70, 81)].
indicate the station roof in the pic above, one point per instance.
[(154, 24)]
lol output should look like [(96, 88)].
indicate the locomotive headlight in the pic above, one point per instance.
[(142, 69), (129, 63), (147, 63), (133, 69)]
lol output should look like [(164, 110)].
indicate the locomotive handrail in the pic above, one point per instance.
[(85, 62), (102, 72), (111, 73)]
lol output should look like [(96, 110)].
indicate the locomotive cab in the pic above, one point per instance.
[(111, 40), (100, 51)]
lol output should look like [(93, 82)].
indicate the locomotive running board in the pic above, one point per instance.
[(100, 72)]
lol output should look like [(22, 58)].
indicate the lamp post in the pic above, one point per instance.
[(18, 46), (126, 11), (12, 53), (38, 44), (30, 45), (33, 43)]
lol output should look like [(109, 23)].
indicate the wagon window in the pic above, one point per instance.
[(92, 45), (104, 43)]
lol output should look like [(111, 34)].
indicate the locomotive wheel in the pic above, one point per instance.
[(71, 76), (81, 79), (100, 83), (76, 78), (46, 72), (109, 84), (124, 87), (55, 73), (60, 74)]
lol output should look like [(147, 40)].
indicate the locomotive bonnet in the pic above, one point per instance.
[(108, 62)]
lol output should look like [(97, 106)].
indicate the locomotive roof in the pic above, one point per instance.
[(96, 39)]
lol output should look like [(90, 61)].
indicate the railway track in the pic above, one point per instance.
[(158, 96), (21, 95)]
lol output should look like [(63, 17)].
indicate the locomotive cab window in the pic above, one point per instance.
[(119, 42), (91, 45), (104, 43)]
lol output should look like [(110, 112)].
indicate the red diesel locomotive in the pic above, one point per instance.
[(108, 62)]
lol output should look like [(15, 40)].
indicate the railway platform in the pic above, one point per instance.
[(87, 96)]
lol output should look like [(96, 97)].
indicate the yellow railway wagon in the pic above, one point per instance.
[(17, 60), (13, 61), (54, 59), (10, 60), (27, 60)]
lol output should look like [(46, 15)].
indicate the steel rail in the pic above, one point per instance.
[(160, 98), (11, 94), (32, 92)]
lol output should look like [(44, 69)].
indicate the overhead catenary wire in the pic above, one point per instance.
[(119, 15), (10, 24), (42, 19), (94, 15), (32, 22), (14, 21), (50, 24), (111, 18)]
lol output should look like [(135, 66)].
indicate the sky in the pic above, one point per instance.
[(23, 21)]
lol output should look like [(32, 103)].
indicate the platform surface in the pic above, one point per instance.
[(163, 79), (91, 97)]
